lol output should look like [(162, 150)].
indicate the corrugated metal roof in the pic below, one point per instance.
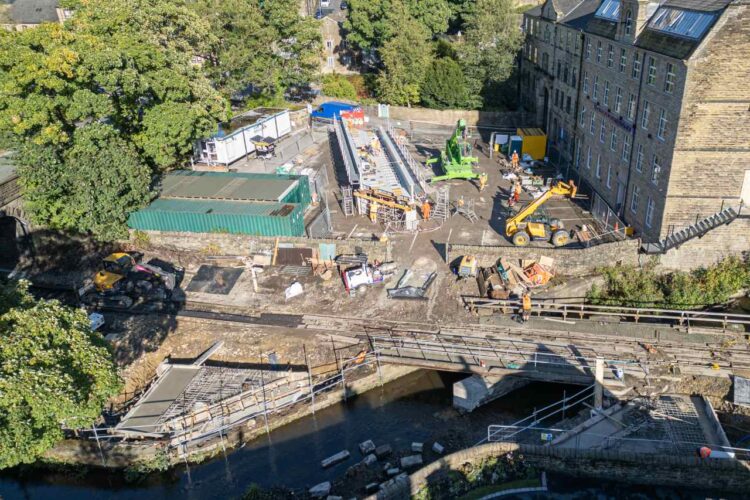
[(218, 207), (227, 186)]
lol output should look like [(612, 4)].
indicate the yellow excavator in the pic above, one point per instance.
[(124, 281), (521, 231)]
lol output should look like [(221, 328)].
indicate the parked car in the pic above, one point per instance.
[(319, 14), (343, 6)]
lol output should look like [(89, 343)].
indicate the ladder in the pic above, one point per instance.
[(696, 230), (467, 210), (348, 201), (442, 210)]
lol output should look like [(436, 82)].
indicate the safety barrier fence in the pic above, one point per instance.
[(583, 441), (509, 432), (552, 307)]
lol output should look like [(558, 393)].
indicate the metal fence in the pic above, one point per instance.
[(602, 213), (518, 430), (581, 310)]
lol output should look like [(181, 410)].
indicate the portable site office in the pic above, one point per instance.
[(234, 140), (237, 203)]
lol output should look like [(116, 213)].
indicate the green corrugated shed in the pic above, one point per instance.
[(211, 216), (237, 186)]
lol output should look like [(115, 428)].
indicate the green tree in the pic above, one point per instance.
[(338, 86), (243, 54), (298, 43), (367, 23), (108, 182), (444, 86), (115, 62), (54, 371), (433, 14), (490, 43), (406, 58)]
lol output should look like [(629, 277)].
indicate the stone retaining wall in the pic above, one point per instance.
[(244, 245), (501, 119), (637, 468), (568, 261)]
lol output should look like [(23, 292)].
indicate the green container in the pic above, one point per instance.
[(210, 216)]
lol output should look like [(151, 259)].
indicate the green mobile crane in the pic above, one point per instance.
[(455, 161)]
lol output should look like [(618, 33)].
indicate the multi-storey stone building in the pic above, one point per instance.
[(658, 125)]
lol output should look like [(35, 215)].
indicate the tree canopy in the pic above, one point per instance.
[(405, 57), (106, 100), (444, 86), (54, 371), (490, 44), (485, 50)]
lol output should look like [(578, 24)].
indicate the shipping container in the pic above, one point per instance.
[(534, 142), (218, 216), (234, 140)]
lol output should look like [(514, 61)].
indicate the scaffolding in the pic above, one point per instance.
[(348, 201)]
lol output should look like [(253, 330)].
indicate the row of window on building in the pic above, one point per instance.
[(565, 39), (635, 69), (630, 108)]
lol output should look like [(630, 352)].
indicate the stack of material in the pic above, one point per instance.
[(527, 274), (491, 284)]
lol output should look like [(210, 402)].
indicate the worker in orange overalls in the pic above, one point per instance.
[(525, 307), (516, 194), (514, 159), (483, 178), (426, 210)]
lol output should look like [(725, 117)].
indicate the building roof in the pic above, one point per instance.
[(579, 17), (34, 11), (535, 11), (227, 186), (564, 7), (214, 207), (601, 27), (672, 41)]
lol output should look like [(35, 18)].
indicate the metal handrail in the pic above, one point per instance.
[(521, 425), (564, 309)]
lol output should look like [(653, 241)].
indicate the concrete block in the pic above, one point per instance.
[(417, 447), (438, 448), (393, 471), (370, 459), (387, 466), (332, 497), (411, 461), (320, 490), (372, 488), (334, 459), (383, 450), (367, 447)]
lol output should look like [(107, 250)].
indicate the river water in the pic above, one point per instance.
[(414, 408)]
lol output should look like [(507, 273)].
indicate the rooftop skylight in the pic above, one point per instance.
[(687, 23)]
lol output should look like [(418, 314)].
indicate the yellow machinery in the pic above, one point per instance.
[(124, 280), (115, 267), (522, 232), (467, 268)]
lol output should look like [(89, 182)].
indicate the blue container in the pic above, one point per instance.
[(332, 109)]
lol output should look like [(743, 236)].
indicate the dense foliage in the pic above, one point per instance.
[(484, 40), (54, 371), (339, 87), (633, 286), (444, 86)]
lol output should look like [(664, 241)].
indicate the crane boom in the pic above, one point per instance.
[(561, 188)]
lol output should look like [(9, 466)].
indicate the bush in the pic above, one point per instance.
[(338, 86), (362, 86), (642, 287), (444, 86)]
